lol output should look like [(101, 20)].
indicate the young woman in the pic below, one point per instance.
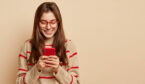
[(36, 68)]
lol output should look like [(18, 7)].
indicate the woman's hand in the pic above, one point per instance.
[(53, 61), (41, 62)]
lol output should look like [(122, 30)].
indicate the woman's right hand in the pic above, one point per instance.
[(41, 62)]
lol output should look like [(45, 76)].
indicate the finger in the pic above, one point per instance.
[(45, 60), (51, 59), (44, 57), (42, 64), (40, 60), (51, 62), (50, 65), (55, 60), (52, 56)]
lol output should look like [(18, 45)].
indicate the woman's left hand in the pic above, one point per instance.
[(53, 61)]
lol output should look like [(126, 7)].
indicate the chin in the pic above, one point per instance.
[(48, 36)]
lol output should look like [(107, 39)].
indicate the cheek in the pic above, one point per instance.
[(41, 26), (56, 29)]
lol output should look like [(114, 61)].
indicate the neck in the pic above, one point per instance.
[(49, 40)]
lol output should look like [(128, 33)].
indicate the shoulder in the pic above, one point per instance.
[(70, 44), (71, 49), (25, 49), (27, 42), (26, 45), (68, 41)]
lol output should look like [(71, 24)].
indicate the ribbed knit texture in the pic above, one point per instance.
[(67, 74)]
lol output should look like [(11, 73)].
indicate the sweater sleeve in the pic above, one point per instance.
[(25, 75), (71, 75)]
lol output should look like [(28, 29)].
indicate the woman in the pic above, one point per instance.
[(36, 68)]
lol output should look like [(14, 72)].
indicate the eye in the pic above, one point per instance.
[(53, 22), (43, 22)]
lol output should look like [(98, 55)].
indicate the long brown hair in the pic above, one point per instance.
[(38, 39)]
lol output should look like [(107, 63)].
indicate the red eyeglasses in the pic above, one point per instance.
[(52, 23)]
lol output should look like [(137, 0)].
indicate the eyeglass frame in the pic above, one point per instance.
[(48, 22)]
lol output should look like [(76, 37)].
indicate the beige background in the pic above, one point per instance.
[(109, 36)]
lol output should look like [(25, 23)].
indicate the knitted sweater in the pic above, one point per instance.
[(67, 74)]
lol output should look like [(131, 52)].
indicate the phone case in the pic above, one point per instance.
[(48, 51)]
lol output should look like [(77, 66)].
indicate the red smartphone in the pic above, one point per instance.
[(48, 51)]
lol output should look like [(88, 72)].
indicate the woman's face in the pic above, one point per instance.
[(48, 24)]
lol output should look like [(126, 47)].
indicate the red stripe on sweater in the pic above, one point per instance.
[(42, 77), (67, 40), (22, 56), (24, 78), (48, 45), (71, 80), (29, 52), (73, 55), (67, 51), (73, 68), (61, 63), (76, 76), (29, 64), (20, 69)]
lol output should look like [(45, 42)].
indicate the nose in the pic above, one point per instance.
[(48, 26)]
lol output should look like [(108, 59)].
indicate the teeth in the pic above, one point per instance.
[(47, 31)]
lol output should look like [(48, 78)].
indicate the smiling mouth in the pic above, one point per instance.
[(47, 32)]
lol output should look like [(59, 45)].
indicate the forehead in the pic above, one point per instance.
[(48, 16)]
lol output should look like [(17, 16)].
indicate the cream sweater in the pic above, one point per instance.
[(67, 74)]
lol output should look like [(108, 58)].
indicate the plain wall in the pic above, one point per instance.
[(109, 36)]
